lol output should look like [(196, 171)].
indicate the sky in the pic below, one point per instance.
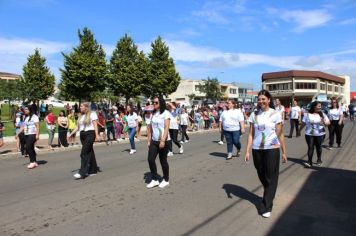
[(233, 40)]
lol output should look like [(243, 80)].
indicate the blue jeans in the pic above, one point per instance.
[(132, 132), (232, 138)]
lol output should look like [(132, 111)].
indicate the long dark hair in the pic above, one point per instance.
[(31, 112), (337, 104), (266, 93), (312, 108), (162, 104)]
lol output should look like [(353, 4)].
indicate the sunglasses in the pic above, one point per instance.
[(155, 103)]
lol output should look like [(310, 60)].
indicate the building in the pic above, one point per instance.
[(188, 92), (9, 76), (306, 86)]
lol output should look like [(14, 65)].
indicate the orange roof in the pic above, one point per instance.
[(302, 73)]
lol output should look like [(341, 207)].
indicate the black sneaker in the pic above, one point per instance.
[(339, 145)]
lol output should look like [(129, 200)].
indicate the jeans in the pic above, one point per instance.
[(311, 142), (173, 133), (132, 133), (88, 161), (152, 154), (50, 136), (232, 138), (30, 147), (267, 165), (184, 132)]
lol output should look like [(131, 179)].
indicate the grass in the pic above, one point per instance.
[(9, 124)]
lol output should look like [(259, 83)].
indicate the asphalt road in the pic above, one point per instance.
[(207, 194)]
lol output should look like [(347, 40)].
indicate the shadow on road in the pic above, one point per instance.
[(325, 205), (42, 162), (218, 154), (242, 193), (5, 151)]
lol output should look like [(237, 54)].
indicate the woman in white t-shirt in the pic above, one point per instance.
[(295, 114), (157, 141), (184, 121), (266, 139), (232, 125), (280, 108), (173, 129), (315, 122), (88, 127), (336, 117), (31, 128), (132, 122)]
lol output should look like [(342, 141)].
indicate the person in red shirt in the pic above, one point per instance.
[(50, 120), (101, 124)]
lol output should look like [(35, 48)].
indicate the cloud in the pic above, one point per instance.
[(350, 21), (303, 19)]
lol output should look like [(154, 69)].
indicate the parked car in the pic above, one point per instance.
[(56, 103)]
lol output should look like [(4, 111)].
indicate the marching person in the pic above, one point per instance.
[(31, 128), (173, 130), (132, 122), (184, 121), (232, 125), (336, 117), (295, 115), (266, 139), (315, 122), (280, 108), (88, 127), (157, 142), (62, 121)]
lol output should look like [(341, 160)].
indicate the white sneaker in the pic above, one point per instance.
[(170, 154), (266, 215), (163, 184), (220, 142), (153, 184), (77, 176), (132, 151), (181, 141), (181, 150), (187, 141), (229, 156)]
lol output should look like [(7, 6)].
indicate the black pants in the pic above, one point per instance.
[(152, 154), (314, 141), (294, 122), (173, 133), (62, 136), (22, 144), (88, 161), (184, 132), (110, 130), (222, 136), (267, 165), (207, 124), (335, 128), (30, 146)]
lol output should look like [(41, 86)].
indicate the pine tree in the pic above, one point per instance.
[(162, 77), (127, 69), (85, 69), (37, 81)]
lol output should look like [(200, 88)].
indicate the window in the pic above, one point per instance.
[(305, 85), (336, 89), (284, 86), (197, 88), (330, 88), (341, 89), (322, 87), (180, 99), (232, 91)]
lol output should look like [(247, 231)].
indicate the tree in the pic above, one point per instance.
[(191, 96), (211, 88), (162, 77), (37, 81), (128, 69), (85, 69)]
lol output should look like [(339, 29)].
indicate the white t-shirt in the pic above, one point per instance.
[(313, 126), (173, 124), (148, 118), (294, 113), (131, 120), (30, 125), (281, 110), (334, 114), (231, 119), (265, 129), (184, 119), (157, 124), (82, 127)]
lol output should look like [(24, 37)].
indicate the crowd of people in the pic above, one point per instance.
[(165, 121)]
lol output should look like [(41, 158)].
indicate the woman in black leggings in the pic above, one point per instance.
[(157, 141), (315, 122), (336, 117)]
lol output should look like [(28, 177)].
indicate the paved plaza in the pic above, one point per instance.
[(207, 194)]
